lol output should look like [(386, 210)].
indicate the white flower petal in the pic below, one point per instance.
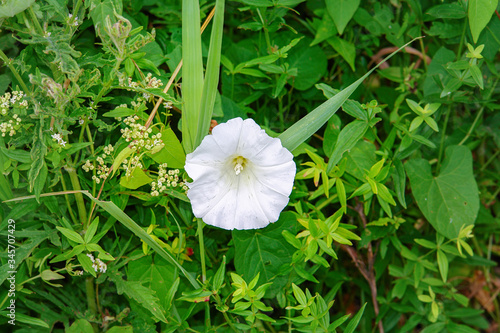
[(231, 195)]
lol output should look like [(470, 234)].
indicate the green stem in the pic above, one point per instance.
[(8, 62), (107, 85), (89, 288), (34, 20), (75, 182), (266, 32), (226, 317), (443, 137), (70, 210), (203, 271), (462, 38), (424, 56), (479, 114), (89, 137), (202, 251)]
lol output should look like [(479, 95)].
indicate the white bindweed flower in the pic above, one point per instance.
[(241, 176)]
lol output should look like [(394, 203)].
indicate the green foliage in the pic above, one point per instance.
[(393, 221)]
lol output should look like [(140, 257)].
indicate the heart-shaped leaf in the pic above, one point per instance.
[(450, 200)]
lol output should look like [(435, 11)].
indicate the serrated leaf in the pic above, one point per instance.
[(10, 8), (142, 295)]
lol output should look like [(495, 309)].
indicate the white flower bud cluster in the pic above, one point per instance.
[(98, 265), (9, 100), (149, 82), (57, 137), (166, 179), (102, 168), (138, 135), (88, 166), (8, 126)]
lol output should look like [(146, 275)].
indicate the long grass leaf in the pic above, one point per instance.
[(124, 219), (311, 123), (212, 74), (192, 72)]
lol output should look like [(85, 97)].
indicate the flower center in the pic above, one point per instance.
[(239, 164)]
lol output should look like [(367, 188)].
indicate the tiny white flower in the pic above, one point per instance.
[(242, 177)]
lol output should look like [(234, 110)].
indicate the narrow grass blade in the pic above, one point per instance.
[(212, 75), (355, 321), (192, 72), (311, 123)]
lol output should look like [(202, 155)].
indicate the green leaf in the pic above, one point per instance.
[(124, 153), (346, 49), (312, 122), (399, 177), (212, 75), (17, 155), (5, 189), (80, 326), (310, 62), (10, 8), (477, 75), (447, 11), (434, 328), (355, 321), (136, 179), (264, 251), (442, 264), (154, 273), (425, 243), (121, 329), (70, 234), (325, 30), (142, 295), (348, 137), (89, 234), (452, 85), (86, 263), (192, 73), (123, 218), (172, 153), (480, 12), (303, 273), (290, 238), (219, 275), (299, 295), (450, 200), (341, 12), (39, 182)]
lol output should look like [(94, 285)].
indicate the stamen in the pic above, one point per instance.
[(239, 162)]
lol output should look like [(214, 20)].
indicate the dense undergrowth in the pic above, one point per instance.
[(392, 224)]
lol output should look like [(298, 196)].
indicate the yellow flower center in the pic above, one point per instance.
[(239, 164)]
